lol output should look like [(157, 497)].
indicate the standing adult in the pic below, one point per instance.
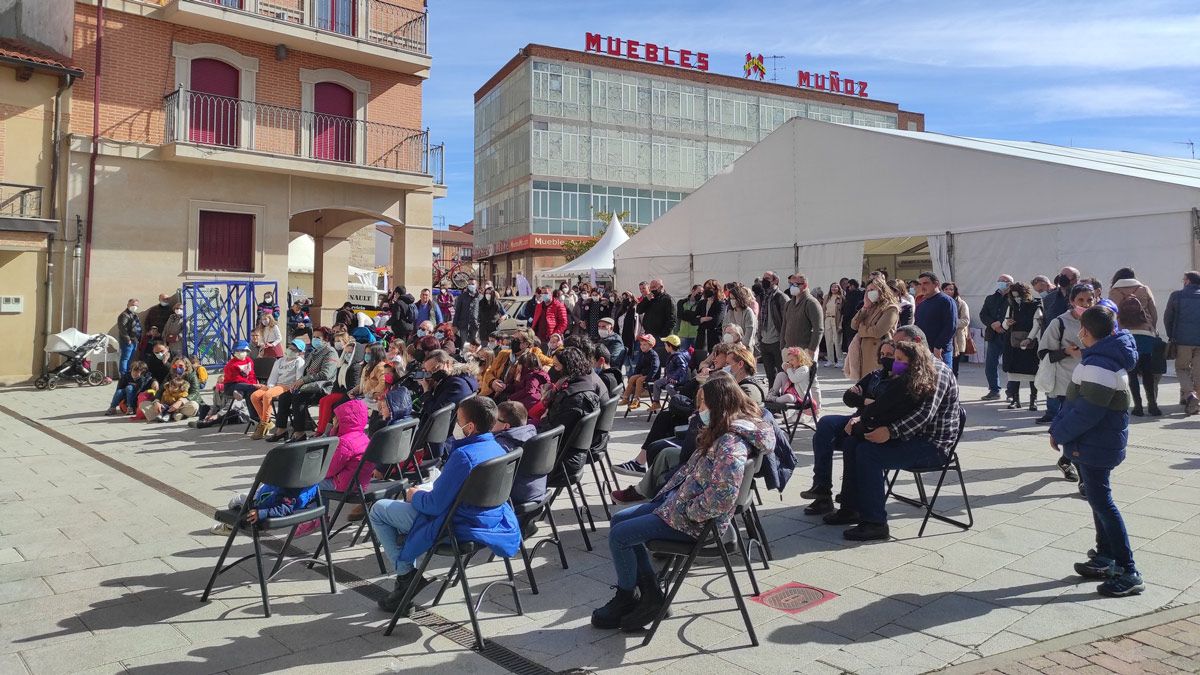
[(1060, 344), (490, 313), (1183, 330), (770, 324), (1125, 285), (402, 320), (625, 316), (852, 302), (173, 330), (710, 316), (937, 316), (1137, 313), (741, 314), (466, 314), (686, 319), (425, 309), (445, 301), (658, 315), (588, 312), (905, 299), (268, 304), (1059, 301), (995, 335), (803, 322), (832, 311), (962, 327), (1022, 319), (549, 316), (157, 316), (873, 323), (129, 333)]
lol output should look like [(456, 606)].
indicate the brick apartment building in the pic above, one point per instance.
[(209, 133)]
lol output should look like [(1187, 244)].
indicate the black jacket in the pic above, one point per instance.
[(612, 377), (708, 333), (995, 306), (466, 315), (402, 322), (658, 314), (850, 307), (567, 407), (489, 317)]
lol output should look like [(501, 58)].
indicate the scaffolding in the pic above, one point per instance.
[(219, 314)]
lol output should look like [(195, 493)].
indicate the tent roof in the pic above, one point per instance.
[(599, 257)]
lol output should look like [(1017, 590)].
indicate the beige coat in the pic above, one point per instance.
[(874, 324), (964, 327), (1132, 287)]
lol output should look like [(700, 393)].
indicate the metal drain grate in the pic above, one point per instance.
[(793, 597)]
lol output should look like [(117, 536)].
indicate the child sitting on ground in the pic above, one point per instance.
[(1092, 429), (791, 382), (644, 373), (677, 373), (173, 392), (135, 381)]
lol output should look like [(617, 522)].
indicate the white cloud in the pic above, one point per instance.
[(1105, 101)]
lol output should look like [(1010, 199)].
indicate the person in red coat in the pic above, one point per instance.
[(549, 316)]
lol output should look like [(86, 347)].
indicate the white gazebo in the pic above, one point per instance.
[(598, 260)]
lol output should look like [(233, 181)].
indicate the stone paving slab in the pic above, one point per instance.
[(105, 568)]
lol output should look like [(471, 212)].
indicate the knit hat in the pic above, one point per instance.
[(672, 340)]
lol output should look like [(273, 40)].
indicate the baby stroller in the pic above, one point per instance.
[(76, 347)]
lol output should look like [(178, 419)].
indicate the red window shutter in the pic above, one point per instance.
[(214, 113), (225, 242), (334, 123)]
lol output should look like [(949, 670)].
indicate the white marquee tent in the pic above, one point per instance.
[(812, 195), (597, 259)]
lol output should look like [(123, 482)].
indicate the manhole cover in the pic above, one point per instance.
[(794, 597)]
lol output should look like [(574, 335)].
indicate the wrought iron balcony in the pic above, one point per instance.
[(374, 21), (221, 122), (20, 201)]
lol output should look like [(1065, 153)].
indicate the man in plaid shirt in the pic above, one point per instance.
[(923, 438)]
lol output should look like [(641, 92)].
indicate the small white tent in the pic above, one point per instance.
[(598, 258), (811, 195)]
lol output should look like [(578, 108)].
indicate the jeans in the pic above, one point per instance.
[(1112, 541), (629, 531), (831, 430), (392, 520), (1053, 404), (991, 364), (948, 357), (771, 359), (632, 356), (658, 470), (126, 357), (874, 460), (686, 343), (128, 393)]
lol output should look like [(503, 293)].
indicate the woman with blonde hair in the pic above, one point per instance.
[(876, 321), (272, 336)]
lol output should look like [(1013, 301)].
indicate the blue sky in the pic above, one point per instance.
[(1111, 75)]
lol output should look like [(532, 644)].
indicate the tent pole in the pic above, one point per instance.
[(796, 257), (950, 254)]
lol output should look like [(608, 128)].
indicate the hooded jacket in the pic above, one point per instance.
[(525, 488), (567, 407), (495, 527), (352, 443), (707, 486), (458, 384), (1093, 424)]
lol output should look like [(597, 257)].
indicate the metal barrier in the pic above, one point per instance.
[(21, 201), (218, 314), (374, 21)]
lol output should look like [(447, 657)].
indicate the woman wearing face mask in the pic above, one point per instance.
[(741, 364), (741, 313), (349, 373), (964, 323), (320, 369), (569, 400), (686, 316), (491, 312), (590, 312), (1021, 348), (176, 409), (269, 306), (710, 316), (1060, 349), (287, 369), (832, 311), (173, 330), (875, 322), (272, 336), (625, 315)]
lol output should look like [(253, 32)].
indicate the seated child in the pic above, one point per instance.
[(175, 391), (351, 429), (135, 381), (678, 371), (791, 382), (644, 373), (271, 502), (512, 429)]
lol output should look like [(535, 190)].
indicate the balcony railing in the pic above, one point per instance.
[(374, 21), (20, 201), (220, 121)]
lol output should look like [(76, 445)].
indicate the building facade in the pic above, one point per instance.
[(561, 135)]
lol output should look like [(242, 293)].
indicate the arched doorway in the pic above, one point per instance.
[(214, 115)]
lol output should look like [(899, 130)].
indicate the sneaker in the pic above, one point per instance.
[(842, 516), (1122, 585), (647, 609), (1068, 470), (991, 396), (819, 507), (1095, 568), (610, 615), (175, 417), (110, 412), (1082, 491), (867, 532), (220, 528), (628, 495), (631, 468), (1192, 406), (165, 417), (392, 602), (815, 492)]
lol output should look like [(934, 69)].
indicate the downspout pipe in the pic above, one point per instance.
[(65, 83), (81, 310)]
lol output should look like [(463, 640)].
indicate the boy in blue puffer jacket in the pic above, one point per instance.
[(1091, 429)]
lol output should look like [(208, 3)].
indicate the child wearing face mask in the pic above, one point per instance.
[(238, 378)]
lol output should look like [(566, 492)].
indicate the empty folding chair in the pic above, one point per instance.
[(294, 466), (927, 502), (434, 428), (578, 440), (388, 446), (488, 486), (538, 459), (598, 453)]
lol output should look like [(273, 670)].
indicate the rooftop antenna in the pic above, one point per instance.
[(775, 66), (1190, 144)]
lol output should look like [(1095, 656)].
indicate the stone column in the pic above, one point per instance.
[(331, 258), (412, 244)]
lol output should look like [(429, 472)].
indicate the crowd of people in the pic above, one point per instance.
[(697, 360)]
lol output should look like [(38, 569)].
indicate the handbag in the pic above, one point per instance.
[(1159, 356), (274, 351), (1016, 337), (970, 349), (1047, 375)]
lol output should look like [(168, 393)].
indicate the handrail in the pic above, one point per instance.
[(20, 200), (374, 21)]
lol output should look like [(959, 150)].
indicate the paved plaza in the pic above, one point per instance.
[(104, 551)]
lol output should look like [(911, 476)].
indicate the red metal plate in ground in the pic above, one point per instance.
[(793, 597)]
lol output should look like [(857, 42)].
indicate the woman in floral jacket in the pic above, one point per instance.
[(703, 489)]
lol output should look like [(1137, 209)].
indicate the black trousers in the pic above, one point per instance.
[(293, 407)]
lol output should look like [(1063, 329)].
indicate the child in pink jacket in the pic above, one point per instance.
[(351, 419)]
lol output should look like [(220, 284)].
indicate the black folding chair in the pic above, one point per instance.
[(578, 440), (806, 404), (944, 468), (708, 545), (388, 446), (434, 428), (262, 370), (294, 466), (487, 487), (598, 452), (538, 459)]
